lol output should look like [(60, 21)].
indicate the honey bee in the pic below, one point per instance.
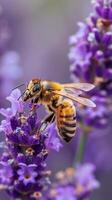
[(58, 99)]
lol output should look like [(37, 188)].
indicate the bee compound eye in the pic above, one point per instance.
[(36, 88)]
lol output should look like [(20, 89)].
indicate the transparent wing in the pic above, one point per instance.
[(78, 99), (81, 86), (73, 91)]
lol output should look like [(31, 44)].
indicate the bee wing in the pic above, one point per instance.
[(81, 86), (81, 100), (73, 91)]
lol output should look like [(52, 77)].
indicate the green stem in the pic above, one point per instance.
[(79, 156)]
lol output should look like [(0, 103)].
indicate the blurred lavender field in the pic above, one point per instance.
[(34, 42)]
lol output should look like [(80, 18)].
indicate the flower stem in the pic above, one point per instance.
[(79, 156)]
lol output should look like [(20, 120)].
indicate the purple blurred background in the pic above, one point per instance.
[(34, 43)]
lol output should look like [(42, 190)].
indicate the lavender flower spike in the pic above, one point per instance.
[(22, 167), (78, 183), (91, 59)]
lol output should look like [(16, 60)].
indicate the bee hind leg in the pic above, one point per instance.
[(49, 119)]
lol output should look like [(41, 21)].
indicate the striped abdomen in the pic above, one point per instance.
[(66, 120)]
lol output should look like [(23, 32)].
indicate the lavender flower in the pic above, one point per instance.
[(98, 117), (26, 151), (74, 184), (53, 142), (91, 59), (6, 173), (27, 173)]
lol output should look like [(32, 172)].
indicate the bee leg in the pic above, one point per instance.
[(33, 107), (49, 119), (34, 104), (35, 101)]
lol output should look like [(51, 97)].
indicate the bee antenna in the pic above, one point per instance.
[(21, 95), (18, 86)]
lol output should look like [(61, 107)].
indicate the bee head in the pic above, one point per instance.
[(33, 89)]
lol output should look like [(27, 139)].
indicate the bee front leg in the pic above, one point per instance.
[(34, 103)]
